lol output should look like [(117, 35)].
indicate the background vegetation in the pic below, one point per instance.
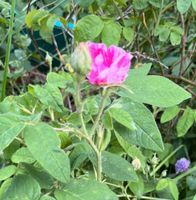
[(37, 88)]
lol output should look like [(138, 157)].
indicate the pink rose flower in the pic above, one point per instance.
[(109, 66)]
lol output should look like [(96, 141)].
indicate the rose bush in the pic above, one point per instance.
[(116, 119)]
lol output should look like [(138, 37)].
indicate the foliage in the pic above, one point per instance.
[(62, 138)]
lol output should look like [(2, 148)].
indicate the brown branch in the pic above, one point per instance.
[(58, 51), (180, 78), (194, 95), (138, 54)]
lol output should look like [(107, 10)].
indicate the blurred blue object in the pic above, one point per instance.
[(70, 25), (59, 24)]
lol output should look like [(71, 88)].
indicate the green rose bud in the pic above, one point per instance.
[(81, 60)]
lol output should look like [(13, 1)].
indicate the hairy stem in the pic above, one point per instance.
[(101, 108), (98, 156), (79, 106)]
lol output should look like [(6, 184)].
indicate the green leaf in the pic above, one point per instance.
[(84, 3), (22, 155), (162, 184), (4, 4), (92, 105), (45, 180), (22, 187), (137, 187), (60, 80), (45, 31), (140, 4), (85, 190), (142, 70), (34, 18), (88, 28), (155, 3), (131, 150), (7, 171), (39, 17), (80, 153), (74, 119), (170, 184), (123, 117), (65, 139), (163, 32), (176, 29), (175, 38), (51, 21), (173, 189), (128, 34), (111, 33), (106, 140), (4, 186), (9, 106), (191, 181), (46, 26), (26, 102), (10, 127), (52, 159), (107, 120), (29, 18), (11, 149), (117, 168), (146, 133), (40, 175), (154, 90), (183, 5), (169, 113), (122, 2), (50, 96), (194, 4), (45, 197), (185, 122)]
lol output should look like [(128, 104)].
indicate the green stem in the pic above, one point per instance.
[(159, 16), (152, 198), (98, 156), (185, 174), (51, 112), (163, 162), (101, 108), (79, 106), (142, 197), (99, 167), (8, 49)]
